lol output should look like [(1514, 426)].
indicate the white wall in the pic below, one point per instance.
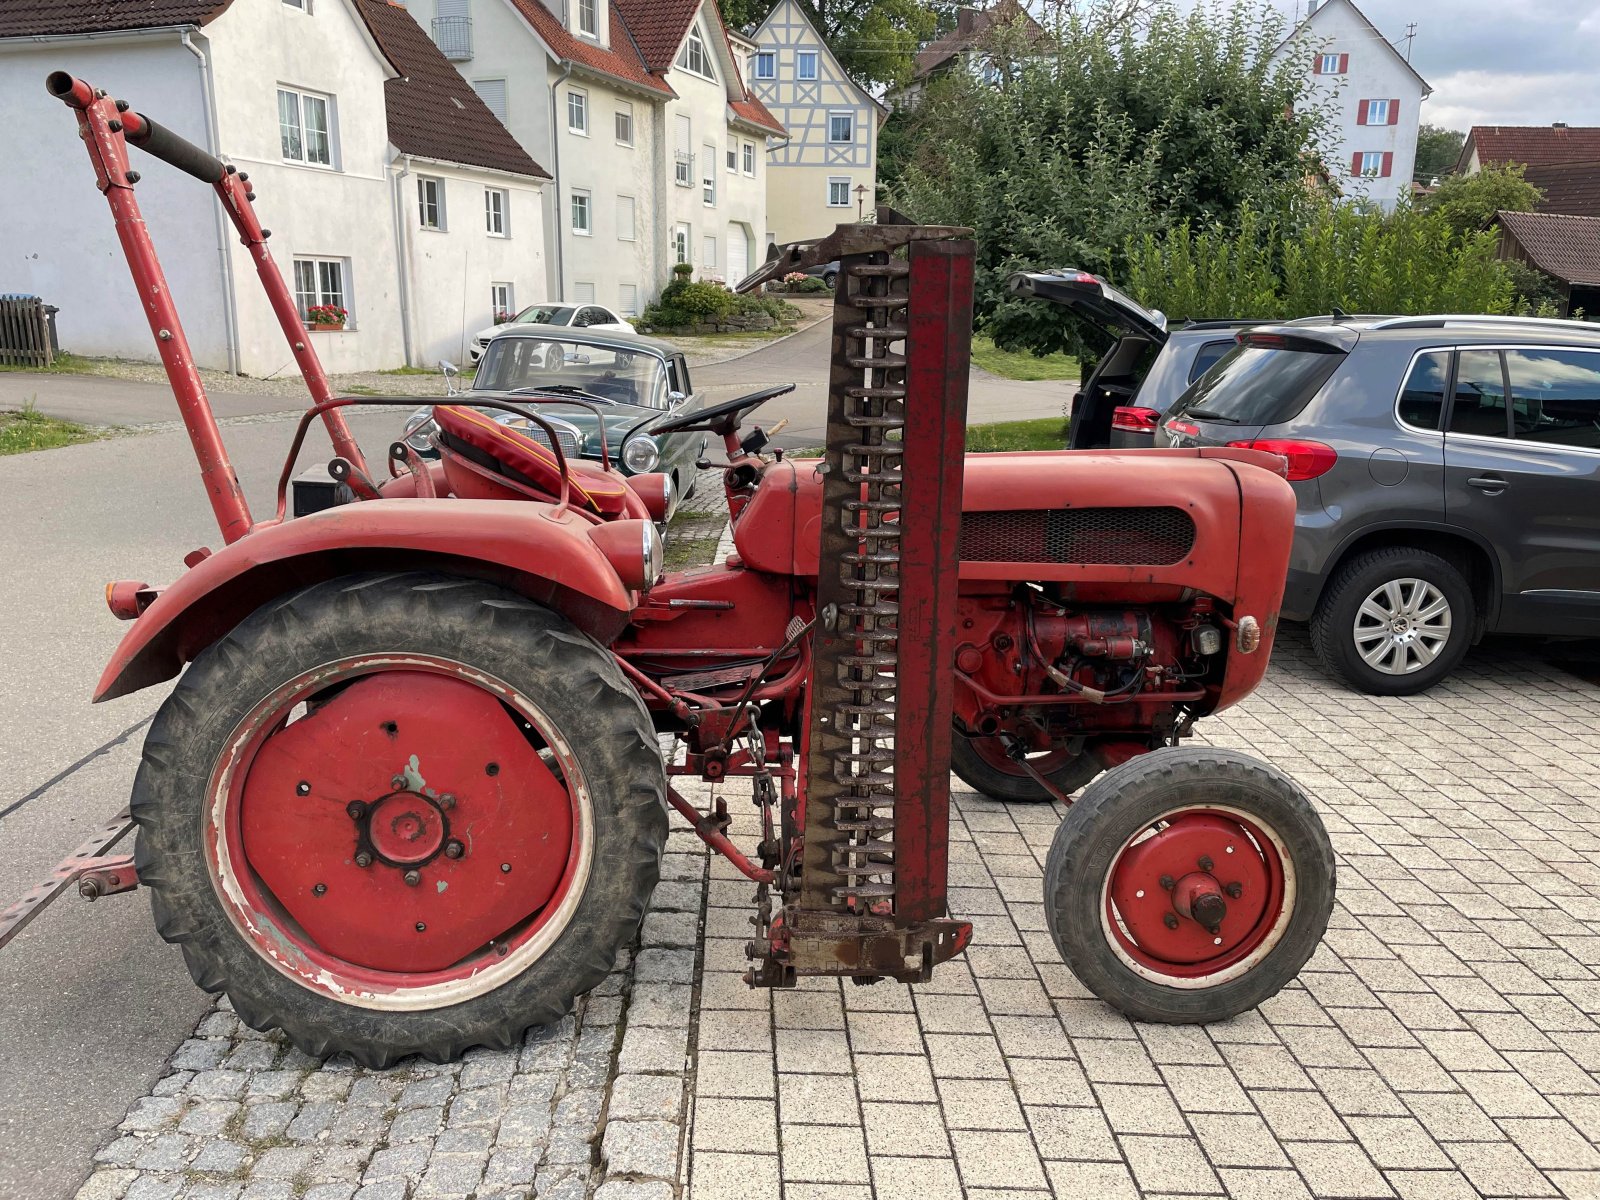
[(1374, 73), (58, 240), (343, 213), (451, 270)]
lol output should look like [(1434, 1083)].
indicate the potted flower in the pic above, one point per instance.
[(325, 317)]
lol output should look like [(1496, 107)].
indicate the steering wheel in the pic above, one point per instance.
[(721, 419)]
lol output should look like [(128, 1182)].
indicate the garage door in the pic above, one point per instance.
[(738, 251)]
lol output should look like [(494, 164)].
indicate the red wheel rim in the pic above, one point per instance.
[(469, 874), (993, 753), (1157, 889)]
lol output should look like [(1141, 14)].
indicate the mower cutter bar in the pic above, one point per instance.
[(89, 866)]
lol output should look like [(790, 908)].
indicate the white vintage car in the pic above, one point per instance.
[(553, 312)]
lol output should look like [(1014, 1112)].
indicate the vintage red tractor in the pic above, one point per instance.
[(408, 794)]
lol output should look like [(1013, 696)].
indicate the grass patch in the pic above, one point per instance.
[(64, 364), (23, 431), (1043, 433), (410, 371), (1009, 364)]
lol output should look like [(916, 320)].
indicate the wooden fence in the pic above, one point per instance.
[(25, 332)]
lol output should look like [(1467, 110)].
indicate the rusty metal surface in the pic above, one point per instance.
[(845, 241), (88, 859)]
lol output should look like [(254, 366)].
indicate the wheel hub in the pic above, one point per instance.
[(406, 828), (1402, 626)]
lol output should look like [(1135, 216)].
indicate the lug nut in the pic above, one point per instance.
[(1234, 890), (122, 106), (453, 849), (422, 927), (413, 878), (355, 810), (1168, 882), (303, 788), (1205, 862), (398, 783), (447, 801), (505, 868), (114, 125), (320, 889), (1170, 920), (363, 859)]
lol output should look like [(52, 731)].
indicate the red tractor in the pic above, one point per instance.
[(408, 793)]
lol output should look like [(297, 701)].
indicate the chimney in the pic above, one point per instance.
[(966, 20), (1311, 8), (1558, 125)]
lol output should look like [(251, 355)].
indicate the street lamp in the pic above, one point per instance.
[(861, 193)]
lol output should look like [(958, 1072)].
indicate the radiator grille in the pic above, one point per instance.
[(1129, 537), (568, 443)]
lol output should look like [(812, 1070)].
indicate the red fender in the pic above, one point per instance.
[(524, 546)]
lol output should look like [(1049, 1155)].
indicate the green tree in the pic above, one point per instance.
[(1469, 202), (874, 40), (1437, 152), (1120, 127)]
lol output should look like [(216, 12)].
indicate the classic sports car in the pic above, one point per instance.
[(583, 380)]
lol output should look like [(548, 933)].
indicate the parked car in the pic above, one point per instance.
[(827, 272), (1448, 475), (634, 381), (553, 312)]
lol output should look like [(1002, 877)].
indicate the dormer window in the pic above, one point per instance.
[(589, 18), (694, 57)]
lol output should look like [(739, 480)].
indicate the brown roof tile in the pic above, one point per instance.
[(432, 111), (1571, 188), (1560, 245), (972, 25), (622, 61), (753, 112), (658, 28), (34, 18), (1535, 145)]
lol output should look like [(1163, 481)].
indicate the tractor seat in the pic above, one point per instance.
[(516, 455)]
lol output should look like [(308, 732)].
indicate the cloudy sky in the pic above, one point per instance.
[(1497, 62)]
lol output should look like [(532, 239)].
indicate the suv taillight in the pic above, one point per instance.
[(1307, 460), (1135, 420)]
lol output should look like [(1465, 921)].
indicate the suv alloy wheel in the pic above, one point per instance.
[(1394, 622)]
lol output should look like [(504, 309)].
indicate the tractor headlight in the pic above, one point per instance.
[(654, 554), (419, 430), (640, 454)]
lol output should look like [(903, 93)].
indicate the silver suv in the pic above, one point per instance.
[(1448, 476)]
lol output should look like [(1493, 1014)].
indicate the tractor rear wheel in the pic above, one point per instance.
[(983, 765), (1189, 885), (401, 814)]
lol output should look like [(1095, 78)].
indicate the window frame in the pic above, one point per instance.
[(801, 58), (1449, 389), (731, 156), (748, 160), (435, 183), (1521, 440), (623, 112), (345, 293), (574, 195), (1372, 115), (682, 237), (505, 95), (329, 131), (625, 307), (633, 219), (578, 102), (708, 176), (769, 59), (1376, 172), (841, 114), (845, 181), (697, 43), (510, 307), (503, 213), (593, 8)]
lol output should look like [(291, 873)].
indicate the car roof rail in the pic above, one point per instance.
[(1439, 320)]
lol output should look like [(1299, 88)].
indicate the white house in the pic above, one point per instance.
[(982, 43), (333, 108), (827, 172), (640, 110), (1374, 94)]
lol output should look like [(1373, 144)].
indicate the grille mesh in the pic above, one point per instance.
[(1129, 537), (569, 444)]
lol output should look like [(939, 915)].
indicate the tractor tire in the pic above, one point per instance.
[(368, 876), (1394, 622), (981, 764), (1235, 831)]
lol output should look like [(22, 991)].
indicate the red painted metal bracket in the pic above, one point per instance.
[(89, 866)]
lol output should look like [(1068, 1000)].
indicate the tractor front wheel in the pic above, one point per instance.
[(400, 814), (1189, 885), (983, 765)]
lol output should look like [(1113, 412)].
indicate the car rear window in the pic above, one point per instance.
[(1209, 356), (1258, 385)]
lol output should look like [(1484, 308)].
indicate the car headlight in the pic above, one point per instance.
[(419, 430), (640, 454)]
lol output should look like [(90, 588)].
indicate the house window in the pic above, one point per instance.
[(588, 16), (694, 57), (500, 303), (733, 158), (581, 216), (583, 293), (321, 282), (708, 252), (1332, 64), (841, 127), (430, 202), (628, 299), (493, 93), (838, 193), (1378, 112), (806, 65), (680, 243), (766, 65), (708, 177), (624, 123), (578, 112), (683, 166), (625, 226), (302, 5), (750, 159), (304, 128), (496, 203), (1372, 164)]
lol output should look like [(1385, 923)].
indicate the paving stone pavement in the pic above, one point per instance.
[(1442, 1043)]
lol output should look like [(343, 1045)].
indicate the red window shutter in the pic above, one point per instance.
[(1394, 112), (1316, 64), (1355, 164), (1361, 112), (1388, 164), (1344, 63)]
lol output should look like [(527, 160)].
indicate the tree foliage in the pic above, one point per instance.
[(1469, 202), (874, 40), (1437, 152), (1123, 128)]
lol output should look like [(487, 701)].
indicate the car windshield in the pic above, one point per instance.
[(1257, 385), (544, 314), (625, 376)]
